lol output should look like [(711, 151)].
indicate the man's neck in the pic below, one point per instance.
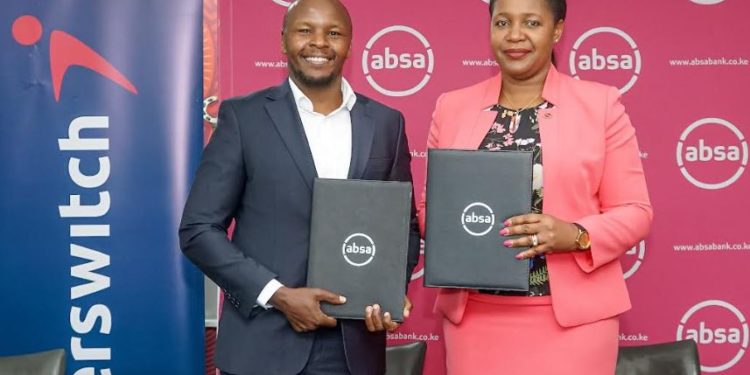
[(325, 99)]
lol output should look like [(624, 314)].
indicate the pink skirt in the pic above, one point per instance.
[(501, 335)]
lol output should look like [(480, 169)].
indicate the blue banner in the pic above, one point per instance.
[(102, 130)]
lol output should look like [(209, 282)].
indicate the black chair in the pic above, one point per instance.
[(407, 359), (44, 363), (672, 358)]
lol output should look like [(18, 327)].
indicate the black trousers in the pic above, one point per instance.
[(327, 356)]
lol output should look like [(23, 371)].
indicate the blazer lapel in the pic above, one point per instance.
[(285, 117), (550, 133), (470, 135), (363, 131)]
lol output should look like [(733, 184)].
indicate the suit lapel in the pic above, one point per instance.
[(363, 131), (285, 117)]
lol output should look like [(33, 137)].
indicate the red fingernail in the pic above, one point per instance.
[(519, 256), (504, 232), (507, 243), (507, 223)]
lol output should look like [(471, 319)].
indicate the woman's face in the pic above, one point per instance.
[(523, 33)]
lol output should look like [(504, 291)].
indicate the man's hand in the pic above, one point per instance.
[(376, 322), (301, 306)]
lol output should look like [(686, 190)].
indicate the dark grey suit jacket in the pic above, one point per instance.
[(258, 170)]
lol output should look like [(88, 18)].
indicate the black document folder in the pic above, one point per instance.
[(469, 196), (358, 246)]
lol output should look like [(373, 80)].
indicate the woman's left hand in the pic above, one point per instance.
[(550, 234)]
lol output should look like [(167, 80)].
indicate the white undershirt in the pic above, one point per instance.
[(330, 140)]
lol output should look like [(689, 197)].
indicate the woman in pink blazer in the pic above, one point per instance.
[(590, 205)]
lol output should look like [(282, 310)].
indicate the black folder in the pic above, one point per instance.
[(358, 246), (469, 196)]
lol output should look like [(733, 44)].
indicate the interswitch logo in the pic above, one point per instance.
[(66, 51)]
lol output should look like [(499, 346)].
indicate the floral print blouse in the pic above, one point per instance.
[(520, 132)]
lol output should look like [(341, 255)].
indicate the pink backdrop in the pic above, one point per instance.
[(682, 65)]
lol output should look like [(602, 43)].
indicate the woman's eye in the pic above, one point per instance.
[(533, 23)]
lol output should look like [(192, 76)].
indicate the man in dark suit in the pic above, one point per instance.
[(258, 169)]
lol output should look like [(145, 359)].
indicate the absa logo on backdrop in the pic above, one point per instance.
[(720, 330), (633, 259), (398, 61), (608, 55), (712, 153), (707, 2)]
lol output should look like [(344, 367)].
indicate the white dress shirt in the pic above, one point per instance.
[(330, 140)]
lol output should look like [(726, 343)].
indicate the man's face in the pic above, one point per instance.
[(316, 42)]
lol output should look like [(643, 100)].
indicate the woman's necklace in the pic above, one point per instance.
[(516, 114)]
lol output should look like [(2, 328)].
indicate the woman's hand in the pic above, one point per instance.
[(543, 234)]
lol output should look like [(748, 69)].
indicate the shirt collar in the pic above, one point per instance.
[(303, 102)]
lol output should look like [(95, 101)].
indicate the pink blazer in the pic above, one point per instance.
[(592, 175)]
